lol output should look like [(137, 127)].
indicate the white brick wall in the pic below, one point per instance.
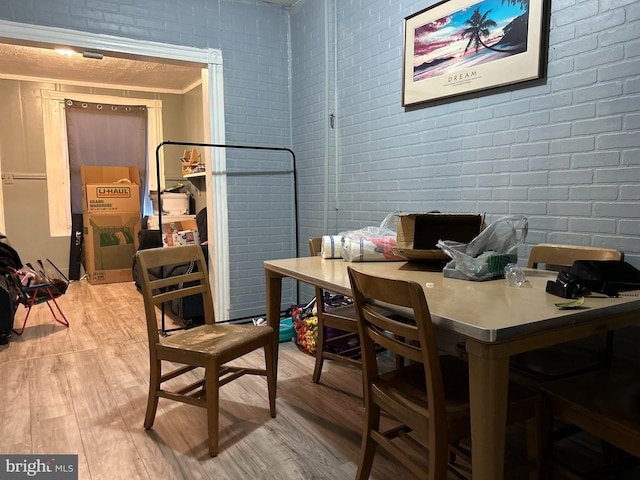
[(565, 152)]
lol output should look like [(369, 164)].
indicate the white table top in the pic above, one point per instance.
[(489, 311)]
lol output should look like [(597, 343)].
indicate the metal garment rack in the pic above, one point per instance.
[(163, 331)]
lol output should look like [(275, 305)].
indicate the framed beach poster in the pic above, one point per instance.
[(457, 47)]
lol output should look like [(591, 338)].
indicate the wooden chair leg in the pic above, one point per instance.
[(152, 402), (368, 449), (212, 387), (534, 446), (320, 342), (546, 439), (270, 366)]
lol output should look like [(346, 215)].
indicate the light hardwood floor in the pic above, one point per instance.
[(83, 389)]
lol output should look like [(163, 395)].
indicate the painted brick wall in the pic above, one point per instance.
[(565, 153)]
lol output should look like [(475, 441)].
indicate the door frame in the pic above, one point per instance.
[(214, 126)]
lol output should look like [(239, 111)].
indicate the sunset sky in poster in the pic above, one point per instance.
[(442, 38)]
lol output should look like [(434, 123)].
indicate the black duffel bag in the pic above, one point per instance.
[(608, 277)]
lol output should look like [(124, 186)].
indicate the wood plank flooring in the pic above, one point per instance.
[(83, 389)]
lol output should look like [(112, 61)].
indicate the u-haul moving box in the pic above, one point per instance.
[(110, 242), (110, 189), (111, 222)]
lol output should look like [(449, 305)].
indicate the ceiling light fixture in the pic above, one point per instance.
[(96, 55)]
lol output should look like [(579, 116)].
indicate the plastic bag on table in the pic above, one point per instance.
[(485, 257), (372, 244)]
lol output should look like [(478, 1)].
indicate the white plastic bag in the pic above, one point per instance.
[(372, 244), (487, 254)]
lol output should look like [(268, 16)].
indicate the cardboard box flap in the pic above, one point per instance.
[(108, 174), (104, 191)]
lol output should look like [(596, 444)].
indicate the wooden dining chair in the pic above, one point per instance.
[(210, 346), (573, 357), (343, 345), (428, 398), (605, 403)]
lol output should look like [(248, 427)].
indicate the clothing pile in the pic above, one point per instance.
[(9, 292)]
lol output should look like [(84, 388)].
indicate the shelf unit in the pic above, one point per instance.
[(194, 175)]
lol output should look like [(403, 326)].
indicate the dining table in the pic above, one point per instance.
[(496, 321)]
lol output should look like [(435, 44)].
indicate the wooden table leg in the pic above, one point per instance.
[(274, 297), (488, 385)]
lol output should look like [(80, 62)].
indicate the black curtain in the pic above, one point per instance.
[(106, 135)]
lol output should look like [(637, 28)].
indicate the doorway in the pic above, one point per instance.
[(153, 55)]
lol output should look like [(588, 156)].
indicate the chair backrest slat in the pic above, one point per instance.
[(163, 297), (176, 280), (557, 256), (158, 290)]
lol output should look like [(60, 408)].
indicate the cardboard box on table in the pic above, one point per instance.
[(111, 222), (418, 233)]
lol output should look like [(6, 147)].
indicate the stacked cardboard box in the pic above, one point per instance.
[(184, 232), (111, 221)]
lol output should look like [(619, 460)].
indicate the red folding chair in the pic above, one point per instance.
[(32, 295)]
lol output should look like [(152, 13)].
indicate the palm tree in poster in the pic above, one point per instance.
[(479, 27), (514, 34)]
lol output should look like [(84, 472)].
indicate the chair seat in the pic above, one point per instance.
[(215, 340), (344, 311), (559, 361), (604, 403), (341, 318), (409, 383)]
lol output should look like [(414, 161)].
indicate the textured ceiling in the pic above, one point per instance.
[(45, 63), (42, 62)]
